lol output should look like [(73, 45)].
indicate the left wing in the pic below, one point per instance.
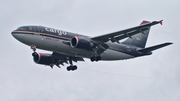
[(65, 58), (116, 36)]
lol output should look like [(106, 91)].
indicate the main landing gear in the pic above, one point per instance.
[(71, 67), (96, 57)]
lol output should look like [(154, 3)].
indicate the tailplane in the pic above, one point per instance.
[(152, 48), (139, 39)]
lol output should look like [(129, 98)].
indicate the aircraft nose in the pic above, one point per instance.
[(13, 34), (17, 36)]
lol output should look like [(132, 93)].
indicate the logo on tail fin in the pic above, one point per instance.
[(138, 36)]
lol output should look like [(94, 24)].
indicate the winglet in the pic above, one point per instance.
[(144, 22), (161, 22)]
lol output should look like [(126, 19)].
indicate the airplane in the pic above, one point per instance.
[(68, 47)]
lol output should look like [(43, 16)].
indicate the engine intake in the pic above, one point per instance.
[(79, 42)]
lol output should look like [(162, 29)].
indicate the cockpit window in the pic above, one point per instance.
[(30, 28), (22, 28), (26, 28)]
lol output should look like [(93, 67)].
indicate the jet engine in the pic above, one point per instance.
[(82, 43), (42, 58)]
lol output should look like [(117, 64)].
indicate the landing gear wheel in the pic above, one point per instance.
[(71, 68), (92, 59), (95, 58), (68, 68), (74, 67)]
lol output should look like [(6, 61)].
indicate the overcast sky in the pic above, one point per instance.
[(150, 78)]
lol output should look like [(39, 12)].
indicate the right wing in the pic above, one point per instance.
[(116, 36)]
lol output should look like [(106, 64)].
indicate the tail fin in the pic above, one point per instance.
[(139, 39)]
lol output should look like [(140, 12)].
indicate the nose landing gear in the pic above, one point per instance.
[(34, 54), (33, 48)]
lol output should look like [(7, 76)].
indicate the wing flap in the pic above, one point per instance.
[(65, 58)]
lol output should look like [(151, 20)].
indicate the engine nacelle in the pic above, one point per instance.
[(42, 58), (79, 42)]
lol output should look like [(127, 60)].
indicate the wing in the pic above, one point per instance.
[(116, 36), (65, 58)]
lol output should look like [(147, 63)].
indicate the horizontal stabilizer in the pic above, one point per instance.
[(149, 49)]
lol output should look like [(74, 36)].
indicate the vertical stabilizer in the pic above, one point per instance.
[(139, 39)]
